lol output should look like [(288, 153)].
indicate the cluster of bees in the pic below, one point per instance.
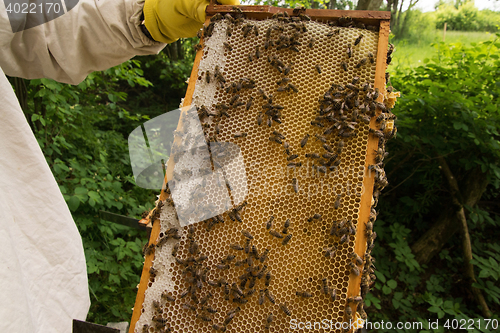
[(341, 109)]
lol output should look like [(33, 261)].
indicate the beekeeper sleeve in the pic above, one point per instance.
[(43, 278), (94, 35)]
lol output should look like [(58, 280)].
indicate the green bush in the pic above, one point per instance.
[(449, 107), (467, 18)]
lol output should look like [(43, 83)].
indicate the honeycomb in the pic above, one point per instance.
[(290, 100)]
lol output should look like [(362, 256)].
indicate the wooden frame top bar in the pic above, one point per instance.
[(262, 12)]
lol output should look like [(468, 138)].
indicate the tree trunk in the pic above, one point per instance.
[(396, 26), (363, 4), (457, 200), (332, 4), (392, 6), (447, 225), (375, 5), (22, 96)]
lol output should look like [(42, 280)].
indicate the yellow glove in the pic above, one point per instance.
[(169, 20)]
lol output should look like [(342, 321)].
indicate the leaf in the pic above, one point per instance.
[(380, 276), (392, 284), (73, 203), (386, 290), (80, 190), (94, 195)]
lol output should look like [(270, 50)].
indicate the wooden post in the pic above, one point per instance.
[(444, 31)]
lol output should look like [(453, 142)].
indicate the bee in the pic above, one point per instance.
[(349, 51), (269, 223), (361, 63), (222, 266), (198, 47), (295, 185), (228, 258), (348, 312), (259, 119), (230, 317), (343, 239), (206, 298), (358, 40), (168, 296), (229, 31), (268, 279), (294, 164), (247, 245), (204, 318), (287, 239), (270, 296), (275, 234), (247, 234), (145, 328), (275, 139), (333, 294), (218, 327), (286, 145), (343, 64), (304, 294), (313, 155), (304, 140), (285, 309), (188, 306), (318, 68), (240, 135), (193, 248), (175, 248), (285, 226), (293, 87), (261, 299), (228, 46), (249, 103), (340, 146), (184, 293), (371, 57), (337, 201), (329, 251), (269, 320), (256, 30), (311, 42), (324, 286), (207, 76), (257, 52), (292, 157), (376, 133), (156, 305), (287, 69), (328, 148), (149, 249)]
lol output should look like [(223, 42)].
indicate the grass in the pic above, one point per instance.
[(409, 54)]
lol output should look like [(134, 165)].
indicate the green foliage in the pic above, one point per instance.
[(85, 145), (449, 107), (467, 17), (418, 28)]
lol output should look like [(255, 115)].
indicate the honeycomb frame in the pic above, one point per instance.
[(364, 202)]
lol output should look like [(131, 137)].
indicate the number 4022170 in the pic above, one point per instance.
[(33, 8)]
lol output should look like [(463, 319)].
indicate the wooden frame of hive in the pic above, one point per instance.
[(378, 18)]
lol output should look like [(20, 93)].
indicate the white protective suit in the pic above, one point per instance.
[(43, 277)]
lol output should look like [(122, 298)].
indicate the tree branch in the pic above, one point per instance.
[(466, 245)]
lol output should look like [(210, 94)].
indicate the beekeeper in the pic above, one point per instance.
[(42, 267)]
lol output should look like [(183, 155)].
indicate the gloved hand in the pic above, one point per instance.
[(169, 20)]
